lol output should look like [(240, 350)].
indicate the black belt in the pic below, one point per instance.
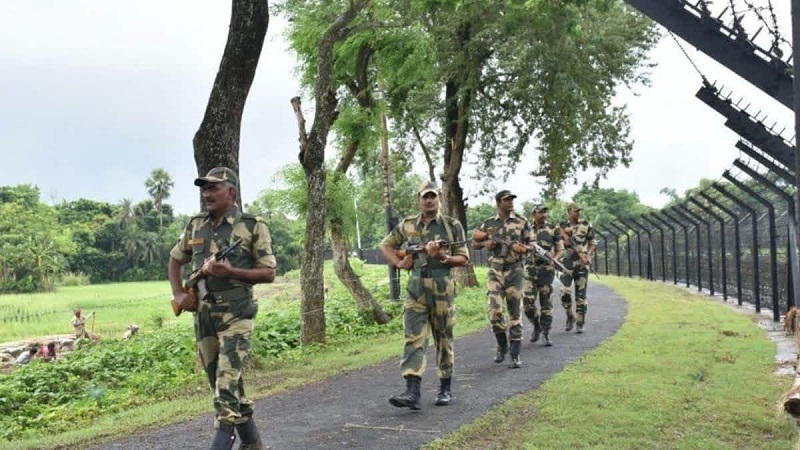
[(219, 296), (430, 273), (505, 267)]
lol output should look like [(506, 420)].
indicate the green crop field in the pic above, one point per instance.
[(26, 316)]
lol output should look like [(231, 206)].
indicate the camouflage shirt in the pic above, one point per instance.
[(549, 238), (578, 237), (515, 229), (200, 239), (413, 231)]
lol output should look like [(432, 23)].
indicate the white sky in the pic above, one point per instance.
[(96, 94)]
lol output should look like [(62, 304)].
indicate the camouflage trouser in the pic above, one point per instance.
[(429, 310), (539, 283), (507, 284), (223, 333), (580, 275)]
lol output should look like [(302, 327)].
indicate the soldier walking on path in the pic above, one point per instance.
[(225, 310), (506, 236), (540, 273), (428, 244), (580, 244)]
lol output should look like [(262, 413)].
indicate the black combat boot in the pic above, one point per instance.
[(581, 321), (547, 341), (443, 397), (515, 362), (537, 329), (570, 321), (409, 398), (249, 436), (223, 437), (579, 328), (502, 347)]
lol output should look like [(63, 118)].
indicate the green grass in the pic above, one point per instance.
[(682, 372), (296, 367), (26, 316)]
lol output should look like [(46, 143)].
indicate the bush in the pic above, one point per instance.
[(73, 279)]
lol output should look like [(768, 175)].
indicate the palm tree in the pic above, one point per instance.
[(159, 185)]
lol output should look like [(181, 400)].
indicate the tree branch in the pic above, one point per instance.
[(301, 125), (425, 152)]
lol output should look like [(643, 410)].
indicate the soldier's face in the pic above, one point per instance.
[(218, 197), (574, 214), (540, 216), (506, 205), (429, 203)]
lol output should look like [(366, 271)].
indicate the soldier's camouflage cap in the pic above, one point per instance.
[(427, 186), (539, 207), (572, 206), (218, 175), (505, 193)]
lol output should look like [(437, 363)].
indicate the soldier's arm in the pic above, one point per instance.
[(459, 254), (178, 256), (264, 267), (558, 245), (488, 243), (389, 246)]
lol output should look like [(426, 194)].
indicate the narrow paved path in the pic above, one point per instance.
[(352, 410)]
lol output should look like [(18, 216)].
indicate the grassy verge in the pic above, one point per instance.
[(295, 367), (682, 372)]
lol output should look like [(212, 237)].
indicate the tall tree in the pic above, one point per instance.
[(159, 186), (312, 158), (502, 74), (216, 142)]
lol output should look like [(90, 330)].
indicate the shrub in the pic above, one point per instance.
[(73, 279)]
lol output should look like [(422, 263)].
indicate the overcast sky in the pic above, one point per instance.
[(95, 94)]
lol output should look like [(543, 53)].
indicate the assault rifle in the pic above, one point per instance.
[(417, 249), (481, 236), (195, 285), (541, 252), (571, 240)]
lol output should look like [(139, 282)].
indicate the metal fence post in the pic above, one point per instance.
[(666, 223), (685, 229), (650, 275), (737, 247), (635, 229), (753, 245), (723, 250), (615, 234), (624, 231), (699, 255), (773, 245), (791, 300)]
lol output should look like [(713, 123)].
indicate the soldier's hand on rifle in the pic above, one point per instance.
[(433, 250), (219, 269), (585, 259), (519, 248), (406, 263), (490, 244)]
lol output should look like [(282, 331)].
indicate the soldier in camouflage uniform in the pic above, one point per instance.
[(580, 244), (431, 291), (507, 236), (223, 322), (540, 274)]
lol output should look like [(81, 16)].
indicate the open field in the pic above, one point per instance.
[(682, 372), (25, 316)]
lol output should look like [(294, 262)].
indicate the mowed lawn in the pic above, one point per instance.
[(116, 305), (683, 372)]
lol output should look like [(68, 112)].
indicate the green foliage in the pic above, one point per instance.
[(73, 279), (93, 380)]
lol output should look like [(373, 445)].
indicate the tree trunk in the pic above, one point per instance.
[(216, 142), (312, 158), (341, 264), (457, 104), (341, 259)]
